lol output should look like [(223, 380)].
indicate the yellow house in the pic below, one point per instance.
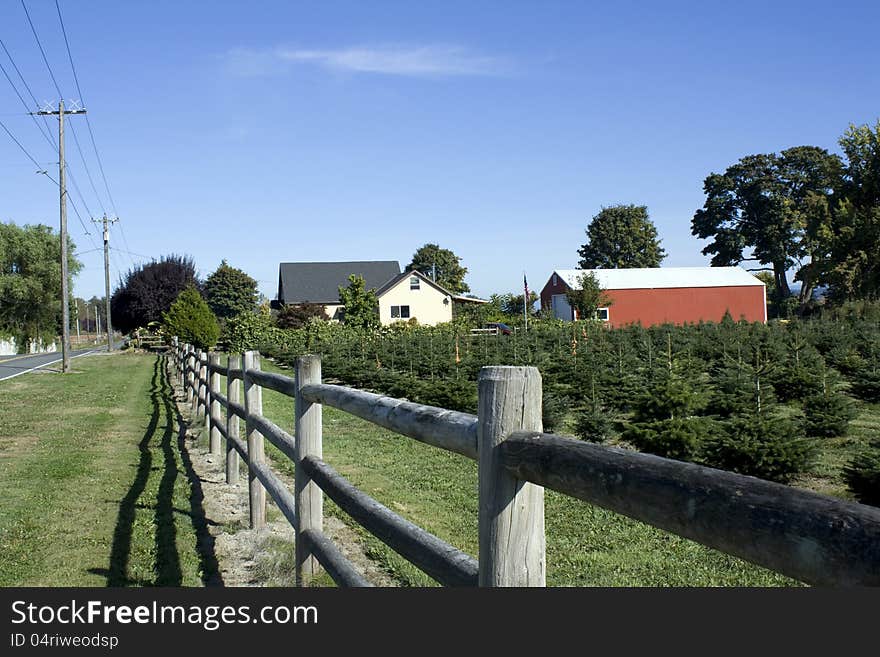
[(413, 295)]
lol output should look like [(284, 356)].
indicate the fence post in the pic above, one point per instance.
[(190, 374), (214, 415), (309, 499), (253, 403), (511, 523), (232, 394), (175, 360), (203, 384)]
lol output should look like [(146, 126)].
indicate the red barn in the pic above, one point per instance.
[(661, 295)]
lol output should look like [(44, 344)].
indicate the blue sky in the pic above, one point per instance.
[(270, 131)]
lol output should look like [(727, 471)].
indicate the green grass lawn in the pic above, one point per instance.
[(95, 490), (586, 545)]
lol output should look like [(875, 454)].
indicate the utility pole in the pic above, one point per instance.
[(65, 306), (107, 223)]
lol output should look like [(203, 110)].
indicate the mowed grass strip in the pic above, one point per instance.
[(95, 491), (586, 545)]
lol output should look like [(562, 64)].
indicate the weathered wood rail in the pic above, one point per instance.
[(813, 538)]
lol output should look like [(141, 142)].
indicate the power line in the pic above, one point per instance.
[(136, 255), (25, 151), (46, 136), (82, 99), (61, 95), (91, 135), (30, 93), (45, 173), (40, 46)]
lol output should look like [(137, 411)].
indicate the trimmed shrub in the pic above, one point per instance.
[(827, 415), (594, 425), (796, 382), (866, 384), (767, 447), (678, 438)]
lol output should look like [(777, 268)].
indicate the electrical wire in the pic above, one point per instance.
[(91, 132)]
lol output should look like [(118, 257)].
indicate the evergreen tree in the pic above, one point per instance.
[(191, 320), (230, 291)]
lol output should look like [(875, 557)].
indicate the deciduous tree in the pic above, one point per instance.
[(149, 290), (589, 297), (431, 260), (621, 236), (30, 281), (361, 304)]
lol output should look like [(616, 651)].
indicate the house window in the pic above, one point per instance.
[(602, 314), (555, 280), (414, 283), (399, 312)]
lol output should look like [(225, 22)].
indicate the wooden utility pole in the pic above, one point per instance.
[(109, 324), (65, 305)]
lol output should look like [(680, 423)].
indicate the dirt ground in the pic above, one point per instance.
[(248, 557)]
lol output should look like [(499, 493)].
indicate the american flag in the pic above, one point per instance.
[(526, 287)]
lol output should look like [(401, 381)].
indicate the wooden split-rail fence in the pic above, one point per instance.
[(813, 538)]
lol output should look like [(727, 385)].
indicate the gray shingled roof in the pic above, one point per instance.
[(318, 282)]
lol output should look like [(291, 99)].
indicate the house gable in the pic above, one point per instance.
[(414, 295)]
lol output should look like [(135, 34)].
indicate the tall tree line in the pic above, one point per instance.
[(804, 210)]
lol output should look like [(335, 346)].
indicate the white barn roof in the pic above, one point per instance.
[(663, 277)]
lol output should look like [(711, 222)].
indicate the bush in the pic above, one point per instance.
[(827, 415), (594, 425), (770, 448), (862, 475), (866, 384), (678, 438), (191, 320), (298, 315), (796, 382), (553, 410)]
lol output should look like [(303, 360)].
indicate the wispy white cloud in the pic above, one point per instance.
[(413, 61)]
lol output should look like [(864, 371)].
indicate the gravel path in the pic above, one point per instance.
[(261, 557)]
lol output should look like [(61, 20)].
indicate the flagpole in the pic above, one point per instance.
[(525, 302)]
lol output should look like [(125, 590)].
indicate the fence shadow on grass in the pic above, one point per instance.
[(167, 569)]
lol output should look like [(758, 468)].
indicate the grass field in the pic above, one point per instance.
[(96, 491), (586, 545), (94, 488)]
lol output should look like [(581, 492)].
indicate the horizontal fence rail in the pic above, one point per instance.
[(813, 538), (450, 430), (810, 537), (445, 563)]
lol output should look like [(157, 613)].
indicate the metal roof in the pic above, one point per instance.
[(663, 277), (319, 282)]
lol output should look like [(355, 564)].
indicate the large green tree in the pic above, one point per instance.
[(851, 266), (146, 292), (619, 237), (361, 304), (230, 291), (441, 264), (772, 209), (30, 280)]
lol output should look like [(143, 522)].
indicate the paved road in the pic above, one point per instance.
[(12, 366)]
